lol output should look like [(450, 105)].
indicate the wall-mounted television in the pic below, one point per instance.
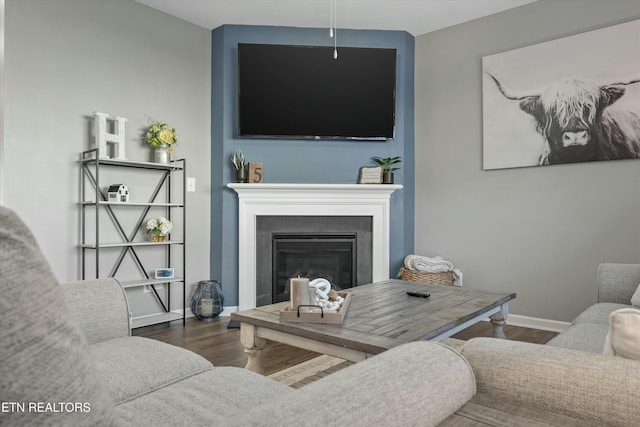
[(303, 92)]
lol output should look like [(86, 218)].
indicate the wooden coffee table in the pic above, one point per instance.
[(381, 316)]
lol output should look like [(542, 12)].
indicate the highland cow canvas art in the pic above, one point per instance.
[(576, 99)]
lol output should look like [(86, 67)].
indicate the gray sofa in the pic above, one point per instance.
[(616, 283), (68, 359)]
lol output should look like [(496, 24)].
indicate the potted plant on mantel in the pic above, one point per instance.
[(387, 167), (239, 163)]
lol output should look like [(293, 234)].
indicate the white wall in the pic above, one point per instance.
[(66, 59), (539, 231)]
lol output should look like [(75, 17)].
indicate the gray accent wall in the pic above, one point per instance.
[(539, 231), (66, 59)]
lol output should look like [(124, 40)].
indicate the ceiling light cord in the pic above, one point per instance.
[(335, 30), (331, 18)]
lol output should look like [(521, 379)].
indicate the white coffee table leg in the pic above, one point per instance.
[(252, 346), (498, 321)]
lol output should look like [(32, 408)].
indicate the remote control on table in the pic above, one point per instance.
[(418, 294)]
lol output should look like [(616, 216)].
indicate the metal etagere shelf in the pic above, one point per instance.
[(93, 246)]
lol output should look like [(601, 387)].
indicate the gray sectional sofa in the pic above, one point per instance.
[(68, 360), (616, 284)]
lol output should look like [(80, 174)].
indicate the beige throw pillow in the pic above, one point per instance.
[(635, 299), (623, 339)]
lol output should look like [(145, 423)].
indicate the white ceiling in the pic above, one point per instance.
[(414, 16)]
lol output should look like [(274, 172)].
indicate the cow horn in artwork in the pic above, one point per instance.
[(508, 95)]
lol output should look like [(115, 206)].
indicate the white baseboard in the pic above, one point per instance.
[(226, 312), (177, 311), (537, 323)]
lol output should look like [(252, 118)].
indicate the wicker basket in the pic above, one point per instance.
[(445, 278)]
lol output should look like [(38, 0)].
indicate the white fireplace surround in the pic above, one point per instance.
[(309, 200)]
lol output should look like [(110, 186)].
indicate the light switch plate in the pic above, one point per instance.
[(191, 184)]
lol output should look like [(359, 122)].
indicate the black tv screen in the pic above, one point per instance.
[(303, 92)]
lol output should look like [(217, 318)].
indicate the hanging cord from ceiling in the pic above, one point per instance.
[(333, 28)]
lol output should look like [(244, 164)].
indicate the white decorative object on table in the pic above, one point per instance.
[(323, 297), (103, 137), (323, 286)]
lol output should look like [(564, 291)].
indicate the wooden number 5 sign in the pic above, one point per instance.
[(255, 172)]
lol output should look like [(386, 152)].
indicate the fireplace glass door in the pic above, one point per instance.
[(328, 256)]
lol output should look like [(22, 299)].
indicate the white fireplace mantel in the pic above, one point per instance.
[(309, 200)]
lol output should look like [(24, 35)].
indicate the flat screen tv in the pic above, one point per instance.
[(303, 92)]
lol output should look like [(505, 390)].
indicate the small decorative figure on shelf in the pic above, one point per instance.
[(256, 170), (370, 175), (118, 193), (105, 140)]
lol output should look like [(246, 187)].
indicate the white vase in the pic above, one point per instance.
[(162, 154)]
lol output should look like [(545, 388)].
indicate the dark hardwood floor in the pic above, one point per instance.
[(221, 346)]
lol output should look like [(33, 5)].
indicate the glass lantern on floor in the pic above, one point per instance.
[(207, 301)]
